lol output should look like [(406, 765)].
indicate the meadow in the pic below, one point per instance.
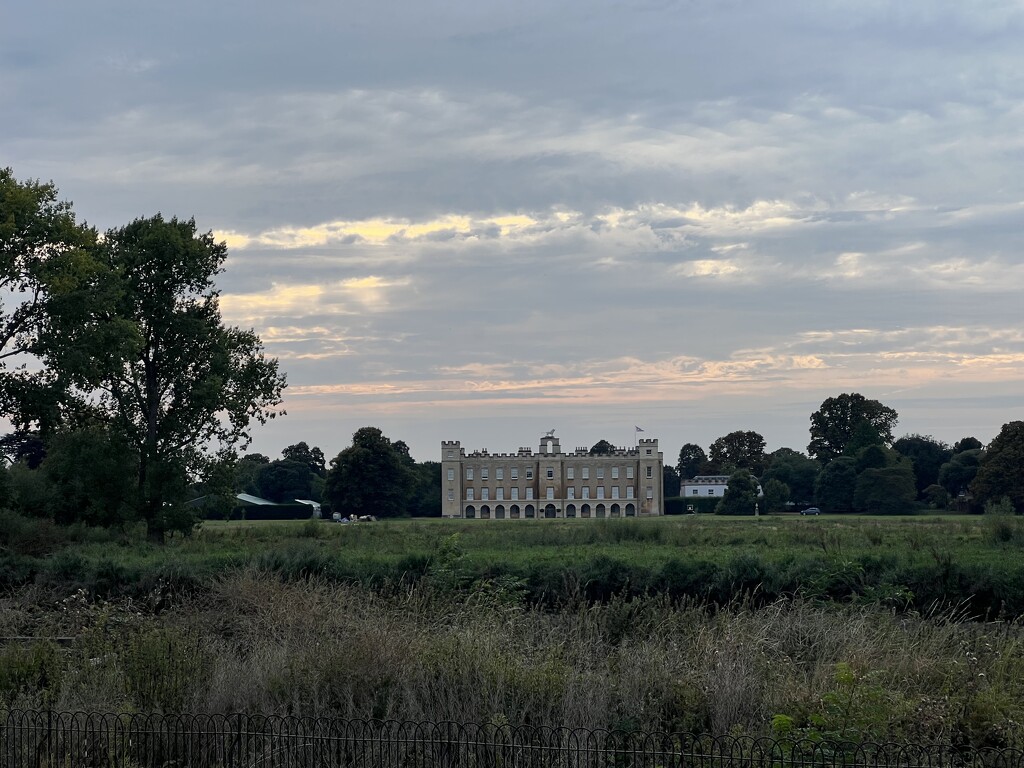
[(874, 628)]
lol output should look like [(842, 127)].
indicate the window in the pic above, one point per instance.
[(469, 473), (600, 491), (615, 491), (650, 472), (529, 493), (469, 494), (451, 495), (629, 491), (551, 473), (615, 473), (695, 492), (551, 492), (648, 451), (570, 492), (600, 473), (485, 494), (711, 491), (484, 473), (451, 454), (515, 473), (650, 491), (629, 473), (499, 494), (586, 491), (451, 474), (586, 473), (570, 473), (529, 474), (515, 494), (499, 474)]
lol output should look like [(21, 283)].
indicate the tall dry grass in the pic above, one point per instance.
[(255, 643)]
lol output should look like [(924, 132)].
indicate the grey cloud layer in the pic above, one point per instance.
[(697, 212)]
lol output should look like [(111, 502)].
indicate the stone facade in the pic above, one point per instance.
[(551, 484)]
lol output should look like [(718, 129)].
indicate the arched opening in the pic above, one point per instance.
[(630, 510), (599, 511), (570, 511), (615, 510), (499, 512), (470, 511), (485, 512), (530, 511), (549, 511), (513, 512), (585, 510)]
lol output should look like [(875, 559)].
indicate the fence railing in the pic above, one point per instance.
[(43, 739)]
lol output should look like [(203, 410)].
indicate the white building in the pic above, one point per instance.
[(707, 486), (551, 484)]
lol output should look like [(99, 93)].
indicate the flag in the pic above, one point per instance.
[(638, 428)]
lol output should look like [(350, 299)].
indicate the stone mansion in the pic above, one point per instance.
[(551, 484)]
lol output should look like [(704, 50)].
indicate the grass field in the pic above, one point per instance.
[(920, 562), (807, 627)]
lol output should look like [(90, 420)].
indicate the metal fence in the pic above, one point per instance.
[(39, 739)]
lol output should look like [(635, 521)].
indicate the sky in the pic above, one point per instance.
[(478, 221)]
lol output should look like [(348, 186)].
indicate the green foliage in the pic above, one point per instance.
[(957, 474), (740, 496), (795, 470), (369, 477), (29, 672), (776, 494), (311, 457), (886, 490), (669, 481), (836, 484), (936, 497), (29, 491), (927, 454), (43, 259), (842, 418), (148, 354), (872, 457), (967, 444), (738, 450), (602, 448), (691, 461), (285, 480), (425, 498), (1001, 472), (857, 708), (89, 476)]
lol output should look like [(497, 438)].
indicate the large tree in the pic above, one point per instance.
[(150, 357), (836, 484), (602, 448), (927, 454), (46, 262), (691, 461), (370, 477), (311, 457), (886, 490), (957, 474), (740, 496), (1002, 468), (285, 480), (738, 450), (795, 470), (842, 418)]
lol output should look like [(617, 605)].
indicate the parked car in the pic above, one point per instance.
[(811, 511)]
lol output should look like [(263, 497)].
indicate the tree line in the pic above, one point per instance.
[(854, 464)]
